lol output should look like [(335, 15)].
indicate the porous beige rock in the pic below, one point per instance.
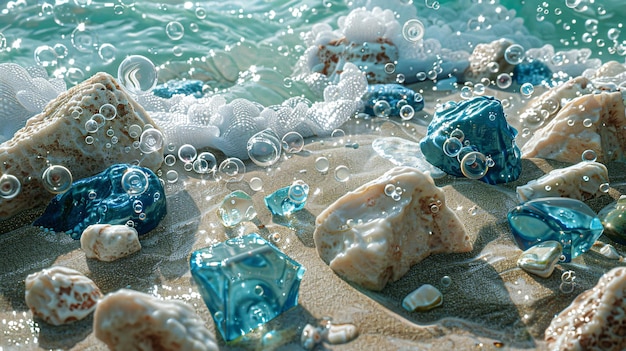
[(61, 295), (106, 242), (131, 320), (595, 320), (590, 122), (487, 61), (58, 135), (374, 234), (581, 181)]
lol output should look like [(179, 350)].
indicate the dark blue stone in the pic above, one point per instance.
[(175, 87), (569, 221), (392, 93), (534, 72), (245, 282), (119, 194), (483, 127)]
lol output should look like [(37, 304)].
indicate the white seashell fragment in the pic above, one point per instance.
[(610, 252), (594, 320), (311, 337), (106, 242), (61, 295), (340, 333), (424, 298), (131, 320), (580, 181), (373, 235), (541, 258)]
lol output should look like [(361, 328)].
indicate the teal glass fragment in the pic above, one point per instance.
[(245, 282), (569, 221), (289, 199)]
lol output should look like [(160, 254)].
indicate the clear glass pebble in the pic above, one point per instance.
[(236, 207)]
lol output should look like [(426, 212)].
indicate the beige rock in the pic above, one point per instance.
[(58, 136), (374, 234), (61, 295), (484, 57), (580, 181), (595, 320), (106, 242), (424, 298), (131, 320), (590, 122)]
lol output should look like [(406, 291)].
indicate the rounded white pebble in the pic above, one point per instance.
[(106, 242), (131, 320), (424, 298), (60, 295), (341, 333)]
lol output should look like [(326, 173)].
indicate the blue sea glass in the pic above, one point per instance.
[(176, 87), (289, 199), (395, 94), (245, 282), (534, 72), (480, 125), (569, 221), (237, 207), (121, 194)]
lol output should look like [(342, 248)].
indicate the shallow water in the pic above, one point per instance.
[(225, 44)]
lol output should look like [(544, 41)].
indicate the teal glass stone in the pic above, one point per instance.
[(245, 282), (289, 199), (613, 218), (569, 221)]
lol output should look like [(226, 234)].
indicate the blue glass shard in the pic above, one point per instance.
[(245, 282), (289, 199), (395, 94), (569, 221)]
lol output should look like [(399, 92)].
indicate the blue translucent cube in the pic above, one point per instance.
[(245, 282), (289, 199)]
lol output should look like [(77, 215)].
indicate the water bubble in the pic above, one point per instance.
[(134, 131), (91, 126), (382, 108), (390, 68), (171, 176), (256, 184), (45, 56), (137, 74), (110, 132), (407, 112), (589, 155), (337, 133), (474, 165), (118, 10), (587, 122), (413, 30), (342, 173), (187, 153), (89, 140), (137, 206), (322, 164), (605, 187), (457, 133), (490, 162), (169, 160), (150, 141), (200, 13), (446, 281), (205, 163), (298, 192), (452, 146), (466, 92), (194, 27), (175, 30), (92, 195), (479, 89), (177, 51), (591, 25), (108, 111), (572, 3), (74, 75), (60, 50), (107, 53), (527, 89), (82, 3), (400, 78), (390, 189), (57, 179), (421, 76), (292, 142), (10, 186), (232, 169), (514, 54), (264, 148), (84, 40), (434, 208), (135, 181), (275, 237)]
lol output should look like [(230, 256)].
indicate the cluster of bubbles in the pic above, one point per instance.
[(434, 205), (474, 164), (265, 147), (393, 191)]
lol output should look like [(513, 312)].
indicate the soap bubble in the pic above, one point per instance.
[(390, 68), (382, 108), (298, 192), (10, 186), (137, 74), (107, 53), (413, 30), (406, 112), (135, 181), (452, 146), (589, 155), (187, 153), (390, 189), (200, 13), (232, 169), (256, 184), (137, 206), (205, 163), (514, 54), (134, 131), (474, 165), (108, 111), (84, 40), (457, 133), (342, 173), (175, 30), (57, 179), (171, 176), (45, 56), (169, 160), (150, 141), (75, 75), (91, 126), (322, 164), (527, 89), (292, 142), (264, 148)]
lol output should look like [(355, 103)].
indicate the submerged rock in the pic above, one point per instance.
[(385, 100), (375, 233), (131, 320), (122, 194), (473, 139), (76, 131), (541, 258), (61, 295), (487, 61), (424, 298), (107, 242), (595, 319)]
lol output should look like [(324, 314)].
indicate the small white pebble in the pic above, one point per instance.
[(106, 242)]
